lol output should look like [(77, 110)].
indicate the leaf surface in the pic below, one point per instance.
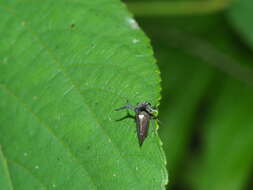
[(65, 66)]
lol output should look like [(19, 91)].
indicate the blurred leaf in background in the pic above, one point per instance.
[(240, 16), (202, 48)]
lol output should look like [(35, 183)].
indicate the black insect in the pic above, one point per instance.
[(144, 113)]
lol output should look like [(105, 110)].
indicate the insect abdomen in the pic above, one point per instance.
[(142, 122)]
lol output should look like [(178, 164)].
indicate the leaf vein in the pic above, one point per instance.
[(28, 170), (6, 168), (4, 87)]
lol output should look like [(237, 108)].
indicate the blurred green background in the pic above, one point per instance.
[(204, 51)]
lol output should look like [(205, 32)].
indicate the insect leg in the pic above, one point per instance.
[(130, 107)]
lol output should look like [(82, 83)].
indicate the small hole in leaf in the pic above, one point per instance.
[(72, 25)]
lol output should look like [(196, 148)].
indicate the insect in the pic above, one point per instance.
[(144, 112)]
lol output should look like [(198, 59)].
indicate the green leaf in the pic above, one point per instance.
[(240, 15), (64, 67)]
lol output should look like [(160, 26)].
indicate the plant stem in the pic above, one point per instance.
[(164, 8)]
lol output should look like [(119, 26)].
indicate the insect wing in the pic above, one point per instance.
[(142, 122)]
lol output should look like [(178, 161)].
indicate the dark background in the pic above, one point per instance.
[(206, 110)]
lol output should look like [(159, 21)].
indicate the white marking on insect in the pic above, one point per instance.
[(141, 116)]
